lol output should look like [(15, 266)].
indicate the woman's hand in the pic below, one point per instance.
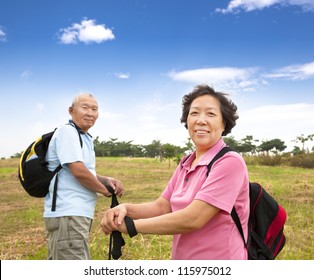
[(113, 219)]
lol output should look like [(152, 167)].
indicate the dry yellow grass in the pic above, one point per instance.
[(22, 233)]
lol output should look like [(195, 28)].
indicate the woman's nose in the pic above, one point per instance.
[(201, 119)]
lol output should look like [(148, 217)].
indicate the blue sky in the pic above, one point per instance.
[(139, 57)]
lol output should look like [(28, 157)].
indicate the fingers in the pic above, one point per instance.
[(117, 186), (119, 219), (108, 222), (113, 219), (113, 186)]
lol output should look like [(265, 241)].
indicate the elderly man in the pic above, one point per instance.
[(69, 212)]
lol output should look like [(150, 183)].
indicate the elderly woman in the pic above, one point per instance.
[(195, 208)]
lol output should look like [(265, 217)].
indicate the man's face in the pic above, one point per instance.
[(84, 112)]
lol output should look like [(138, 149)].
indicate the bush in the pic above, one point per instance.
[(303, 160), (268, 160)]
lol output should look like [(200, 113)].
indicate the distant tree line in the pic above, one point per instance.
[(250, 146), (268, 152), (246, 146), (115, 148)]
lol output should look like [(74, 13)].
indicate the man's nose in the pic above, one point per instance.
[(91, 112)]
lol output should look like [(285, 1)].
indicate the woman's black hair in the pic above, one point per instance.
[(227, 107)]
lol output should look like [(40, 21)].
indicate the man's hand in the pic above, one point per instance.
[(95, 184), (113, 183)]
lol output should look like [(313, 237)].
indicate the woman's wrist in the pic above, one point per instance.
[(130, 225)]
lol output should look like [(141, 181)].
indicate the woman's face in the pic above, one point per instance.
[(205, 122)]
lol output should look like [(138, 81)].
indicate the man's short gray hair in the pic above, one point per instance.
[(76, 98)]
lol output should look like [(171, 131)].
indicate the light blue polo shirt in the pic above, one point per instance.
[(72, 198)]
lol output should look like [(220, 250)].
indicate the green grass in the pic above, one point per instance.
[(22, 233)]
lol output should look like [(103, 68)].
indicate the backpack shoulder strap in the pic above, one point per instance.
[(54, 196), (223, 151), (79, 131), (236, 220), (234, 213), (184, 159)]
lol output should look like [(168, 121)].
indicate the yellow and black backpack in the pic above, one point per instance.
[(33, 169)]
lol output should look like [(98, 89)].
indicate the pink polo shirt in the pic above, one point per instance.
[(226, 185)]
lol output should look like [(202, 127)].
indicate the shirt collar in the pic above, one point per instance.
[(207, 157), (71, 122)]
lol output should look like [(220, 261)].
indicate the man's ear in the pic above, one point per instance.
[(70, 110)]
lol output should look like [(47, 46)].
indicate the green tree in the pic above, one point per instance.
[(154, 149), (169, 151), (246, 145), (232, 143), (189, 146), (296, 150), (275, 144), (302, 139)]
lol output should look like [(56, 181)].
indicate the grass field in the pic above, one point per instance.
[(22, 233)]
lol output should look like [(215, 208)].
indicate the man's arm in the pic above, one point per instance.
[(91, 182)]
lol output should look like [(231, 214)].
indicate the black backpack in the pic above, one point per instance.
[(266, 221), (33, 171)]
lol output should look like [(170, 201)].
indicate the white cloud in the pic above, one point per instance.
[(147, 119), (226, 76), (243, 79), (40, 107), (285, 122), (294, 72), (236, 6), (154, 104), (122, 75), (26, 74), (110, 116), (3, 35), (287, 112), (87, 31)]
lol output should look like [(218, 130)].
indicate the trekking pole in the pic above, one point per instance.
[(114, 202), (115, 240), (110, 246)]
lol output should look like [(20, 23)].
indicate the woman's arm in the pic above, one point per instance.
[(189, 219), (193, 217), (115, 216)]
